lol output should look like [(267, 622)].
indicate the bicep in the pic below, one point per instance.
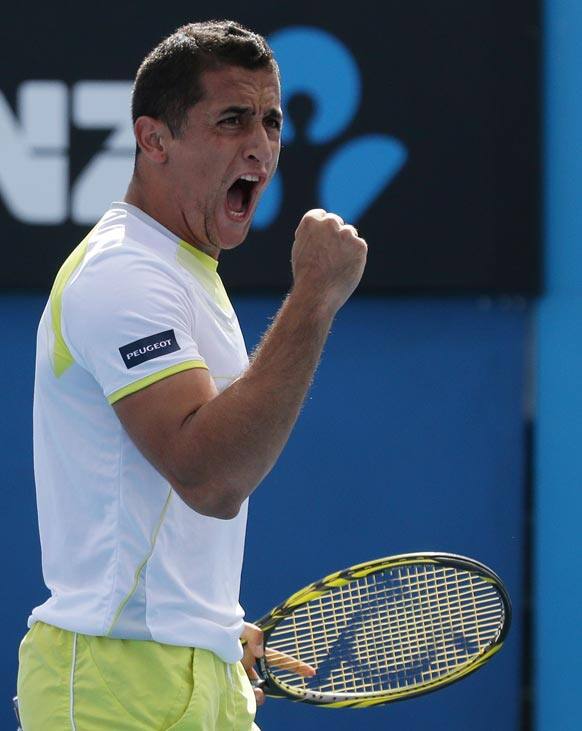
[(154, 418)]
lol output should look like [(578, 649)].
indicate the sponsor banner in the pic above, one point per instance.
[(417, 122)]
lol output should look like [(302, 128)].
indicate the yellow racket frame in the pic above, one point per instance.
[(267, 623)]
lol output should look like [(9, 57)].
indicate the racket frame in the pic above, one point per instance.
[(273, 687)]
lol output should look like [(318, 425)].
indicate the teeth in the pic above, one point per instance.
[(250, 178)]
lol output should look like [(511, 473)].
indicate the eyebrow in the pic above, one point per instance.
[(273, 112)]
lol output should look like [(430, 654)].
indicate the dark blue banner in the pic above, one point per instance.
[(417, 122)]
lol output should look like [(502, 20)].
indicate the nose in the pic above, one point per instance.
[(259, 146)]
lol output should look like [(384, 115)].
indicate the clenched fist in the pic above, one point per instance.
[(328, 258)]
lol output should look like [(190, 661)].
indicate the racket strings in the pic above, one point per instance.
[(392, 629)]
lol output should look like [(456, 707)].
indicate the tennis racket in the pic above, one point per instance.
[(384, 631)]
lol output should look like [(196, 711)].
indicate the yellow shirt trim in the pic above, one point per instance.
[(62, 358), (206, 260), (153, 378), (140, 568), (203, 268)]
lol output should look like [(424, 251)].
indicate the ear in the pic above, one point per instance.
[(152, 137)]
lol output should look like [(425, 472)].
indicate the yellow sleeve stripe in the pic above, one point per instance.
[(153, 378)]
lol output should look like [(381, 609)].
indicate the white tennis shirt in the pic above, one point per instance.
[(123, 555)]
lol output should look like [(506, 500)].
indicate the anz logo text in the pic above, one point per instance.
[(35, 145)]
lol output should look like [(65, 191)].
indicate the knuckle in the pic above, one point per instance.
[(315, 214), (332, 223), (335, 218), (311, 218)]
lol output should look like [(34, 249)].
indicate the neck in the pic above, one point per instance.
[(157, 203)]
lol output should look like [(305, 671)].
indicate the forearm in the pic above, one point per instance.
[(216, 448), (230, 443)]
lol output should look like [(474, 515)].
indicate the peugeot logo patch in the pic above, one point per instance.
[(147, 348)]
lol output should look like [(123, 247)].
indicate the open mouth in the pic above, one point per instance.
[(241, 196)]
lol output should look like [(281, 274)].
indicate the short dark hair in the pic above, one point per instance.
[(168, 81)]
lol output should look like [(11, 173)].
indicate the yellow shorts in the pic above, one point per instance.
[(74, 682)]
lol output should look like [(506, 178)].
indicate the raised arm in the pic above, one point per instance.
[(216, 448)]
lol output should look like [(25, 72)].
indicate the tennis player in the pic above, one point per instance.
[(151, 429)]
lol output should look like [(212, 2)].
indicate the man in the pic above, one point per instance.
[(151, 428)]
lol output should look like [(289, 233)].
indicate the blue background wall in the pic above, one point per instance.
[(412, 439), (558, 596)]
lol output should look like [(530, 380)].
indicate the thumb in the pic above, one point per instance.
[(253, 636)]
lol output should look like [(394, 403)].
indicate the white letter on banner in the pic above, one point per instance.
[(33, 153), (103, 105)]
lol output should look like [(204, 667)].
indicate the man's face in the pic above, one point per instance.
[(226, 154)]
